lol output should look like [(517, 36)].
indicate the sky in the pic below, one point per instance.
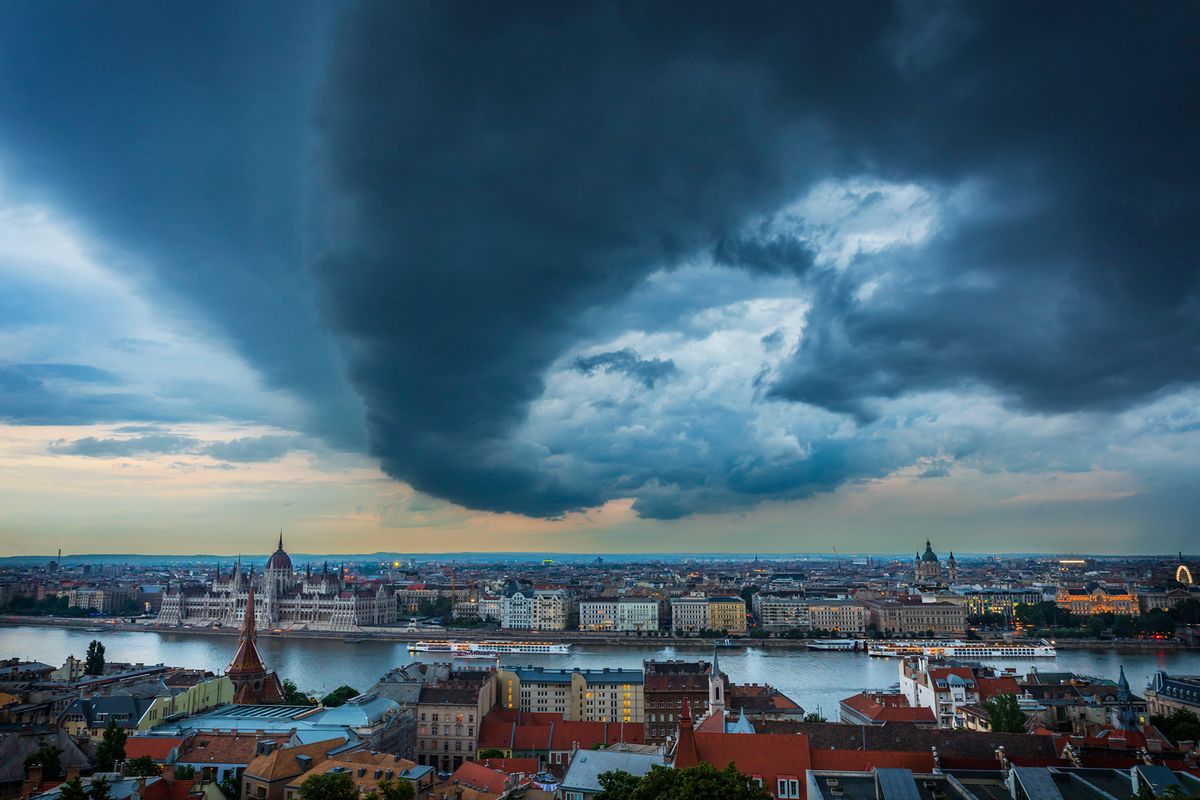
[(599, 277)]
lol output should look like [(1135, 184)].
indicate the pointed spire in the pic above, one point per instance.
[(716, 668), (281, 538), (248, 624)]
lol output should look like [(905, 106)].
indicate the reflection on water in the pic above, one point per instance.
[(813, 679)]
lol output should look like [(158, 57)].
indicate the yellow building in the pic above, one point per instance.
[(1093, 599), (727, 614), (593, 695), (201, 696)]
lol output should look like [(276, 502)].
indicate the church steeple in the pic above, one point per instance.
[(716, 687), (252, 683)]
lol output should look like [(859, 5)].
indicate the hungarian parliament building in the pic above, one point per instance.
[(284, 598)]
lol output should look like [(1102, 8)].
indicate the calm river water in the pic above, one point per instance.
[(816, 680)]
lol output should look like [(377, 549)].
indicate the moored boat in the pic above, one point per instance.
[(489, 646), (963, 649)]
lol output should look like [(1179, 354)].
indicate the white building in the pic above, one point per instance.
[(618, 614), (690, 613), (516, 609), (637, 614), (536, 609), (553, 610), (944, 690), (598, 614)]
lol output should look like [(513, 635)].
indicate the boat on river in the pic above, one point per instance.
[(490, 646), (958, 648), (836, 644)]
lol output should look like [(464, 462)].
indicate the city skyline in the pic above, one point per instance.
[(598, 279)]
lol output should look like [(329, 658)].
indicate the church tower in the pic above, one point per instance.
[(952, 568), (252, 683), (716, 687)]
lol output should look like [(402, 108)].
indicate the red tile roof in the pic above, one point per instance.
[(764, 755), (888, 708), (156, 747), (512, 766), (508, 730), (479, 777), (866, 760), (990, 687)]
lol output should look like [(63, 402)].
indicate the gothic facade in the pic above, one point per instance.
[(284, 598)]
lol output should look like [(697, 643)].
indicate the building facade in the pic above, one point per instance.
[(916, 616), (622, 614), (448, 718), (285, 599), (1093, 599), (727, 614), (598, 695)]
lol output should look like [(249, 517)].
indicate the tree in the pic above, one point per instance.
[(490, 752), (1187, 612), (93, 663), (1179, 725), (73, 790), (814, 716), (231, 785), (111, 748), (292, 695), (617, 785), (99, 789), (701, 782), (186, 772), (1005, 714), (142, 767), (395, 790), (46, 757), (329, 786), (339, 696)]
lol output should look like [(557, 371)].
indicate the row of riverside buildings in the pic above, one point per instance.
[(464, 732), (928, 601)]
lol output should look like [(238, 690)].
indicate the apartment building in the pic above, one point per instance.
[(840, 616), (689, 614), (537, 609), (727, 614), (618, 614), (448, 718), (599, 695), (917, 616), (697, 611)]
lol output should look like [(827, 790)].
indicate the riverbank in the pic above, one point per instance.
[(403, 634)]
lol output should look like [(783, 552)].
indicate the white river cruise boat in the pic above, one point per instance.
[(963, 649), (460, 648)]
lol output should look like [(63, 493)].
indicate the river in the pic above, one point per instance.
[(815, 680)]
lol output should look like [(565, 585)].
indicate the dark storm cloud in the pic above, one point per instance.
[(180, 137), (499, 176), (646, 371), (504, 169)]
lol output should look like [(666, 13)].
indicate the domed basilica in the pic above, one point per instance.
[(927, 569), (284, 598)]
